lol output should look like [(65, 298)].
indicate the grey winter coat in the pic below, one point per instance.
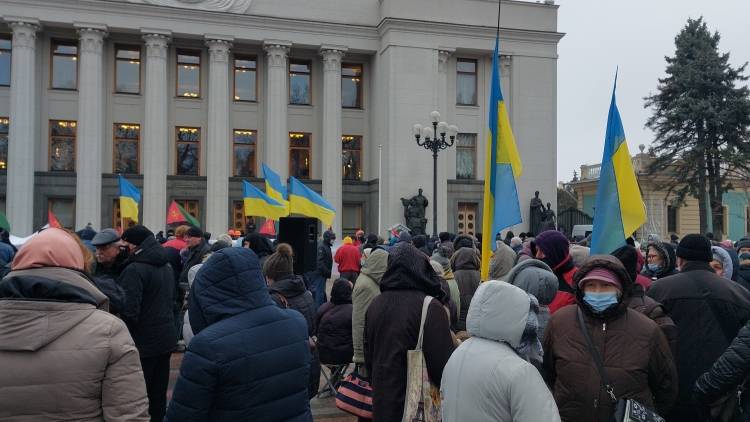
[(485, 379), (536, 278)]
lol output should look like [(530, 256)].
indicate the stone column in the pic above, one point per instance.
[(22, 117), (448, 155), (218, 158), (332, 170), (91, 133), (156, 133), (275, 142)]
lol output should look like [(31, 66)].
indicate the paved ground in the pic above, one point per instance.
[(323, 409)]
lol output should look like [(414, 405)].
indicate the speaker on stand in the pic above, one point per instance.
[(302, 234)]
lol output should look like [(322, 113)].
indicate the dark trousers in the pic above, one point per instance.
[(318, 289), (349, 275), (156, 373)]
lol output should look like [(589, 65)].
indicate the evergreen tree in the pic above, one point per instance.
[(701, 121)]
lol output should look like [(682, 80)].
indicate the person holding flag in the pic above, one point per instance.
[(503, 166)]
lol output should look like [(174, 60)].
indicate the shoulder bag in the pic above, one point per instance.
[(422, 401), (626, 410), (354, 395)]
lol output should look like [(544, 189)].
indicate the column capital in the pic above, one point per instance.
[(24, 31), (332, 55), (218, 47), (91, 37), (444, 53), (277, 52), (156, 42), (505, 61)]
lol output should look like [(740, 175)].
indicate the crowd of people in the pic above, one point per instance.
[(89, 322)]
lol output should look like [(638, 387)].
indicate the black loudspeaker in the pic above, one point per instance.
[(302, 234)]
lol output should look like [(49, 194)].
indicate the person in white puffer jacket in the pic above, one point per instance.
[(490, 376)]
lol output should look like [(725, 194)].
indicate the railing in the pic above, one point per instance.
[(593, 172)]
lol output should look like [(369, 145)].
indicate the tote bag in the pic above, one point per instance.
[(422, 402)]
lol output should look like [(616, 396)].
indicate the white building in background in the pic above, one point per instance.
[(188, 97)]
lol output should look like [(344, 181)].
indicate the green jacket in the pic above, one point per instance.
[(366, 289)]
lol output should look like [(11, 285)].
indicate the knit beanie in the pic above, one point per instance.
[(280, 264), (347, 240), (136, 234), (695, 247), (743, 243), (554, 245), (194, 232)]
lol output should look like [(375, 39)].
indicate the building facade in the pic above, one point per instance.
[(186, 98), (665, 215)]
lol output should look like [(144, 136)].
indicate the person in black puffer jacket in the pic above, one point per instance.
[(249, 359), (334, 325), (289, 291), (743, 272), (729, 371), (148, 312)]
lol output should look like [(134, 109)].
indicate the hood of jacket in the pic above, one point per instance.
[(39, 305), (230, 282), (613, 264), (150, 252), (376, 264), (465, 259), (410, 269), (499, 311), (726, 260), (502, 262), (259, 244), (669, 259), (535, 278), (290, 286), (341, 292)]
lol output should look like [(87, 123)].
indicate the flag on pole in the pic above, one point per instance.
[(52, 220), (4, 224), (275, 188), (258, 204), (502, 167), (177, 214), (307, 202), (130, 196), (619, 206), (268, 228)]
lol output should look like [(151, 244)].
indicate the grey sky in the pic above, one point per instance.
[(636, 35)]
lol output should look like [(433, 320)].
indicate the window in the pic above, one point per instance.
[(64, 65), (466, 155), (467, 218), (62, 145), (672, 218), (466, 82), (244, 141), (125, 148), (299, 82), (117, 220), (245, 78), (3, 143), (128, 70), (188, 151), (64, 209), (351, 85), (188, 73), (352, 217), (351, 157), (299, 155), (5, 53), (239, 221), (191, 206)]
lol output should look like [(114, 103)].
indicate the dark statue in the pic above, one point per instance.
[(536, 214), (414, 213), (548, 219)]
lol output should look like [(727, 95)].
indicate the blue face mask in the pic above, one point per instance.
[(654, 268), (600, 301)]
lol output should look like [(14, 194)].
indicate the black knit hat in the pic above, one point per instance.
[(136, 234), (695, 247), (742, 243), (194, 232)]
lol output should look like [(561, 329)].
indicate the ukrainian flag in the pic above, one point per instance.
[(274, 187), (502, 166), (307, 202), (619, 207), (130, 196), (257, 203)]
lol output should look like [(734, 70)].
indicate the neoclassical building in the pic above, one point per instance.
[(188, 97)]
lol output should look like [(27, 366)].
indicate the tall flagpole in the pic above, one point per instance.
[(380, 188)]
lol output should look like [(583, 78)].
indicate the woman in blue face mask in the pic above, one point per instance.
[(636, 355)]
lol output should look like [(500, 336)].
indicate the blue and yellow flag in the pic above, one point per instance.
[(130, 196), (274, 186), (619, 207), (256, 203), (307, 202), (502, 167)]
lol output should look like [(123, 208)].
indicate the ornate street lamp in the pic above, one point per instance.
[(433, 139)]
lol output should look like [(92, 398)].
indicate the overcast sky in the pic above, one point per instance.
[(636, 35)]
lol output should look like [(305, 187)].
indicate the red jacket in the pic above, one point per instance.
[(565, 286), (347, 257), (176, 243)]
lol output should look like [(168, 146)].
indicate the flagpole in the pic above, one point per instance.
[(380, 187), (122, 219), (499, 4)]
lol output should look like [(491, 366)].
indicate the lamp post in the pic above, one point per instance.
[(433, 139)]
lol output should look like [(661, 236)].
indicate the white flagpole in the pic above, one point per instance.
[(380, 187)]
